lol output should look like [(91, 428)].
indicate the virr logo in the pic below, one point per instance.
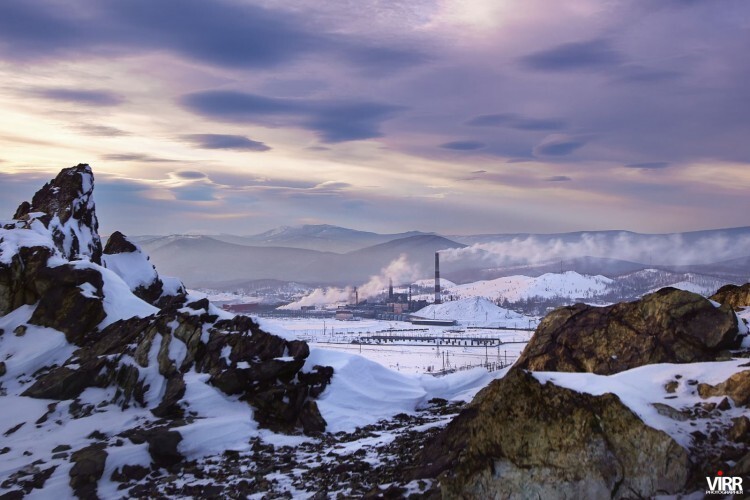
[(723, 485)]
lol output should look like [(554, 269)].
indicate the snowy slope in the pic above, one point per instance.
[(513, 288), (475, 310)]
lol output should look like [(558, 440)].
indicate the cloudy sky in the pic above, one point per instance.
[(385, 115)]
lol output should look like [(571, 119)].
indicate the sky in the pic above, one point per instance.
[(489, 116)]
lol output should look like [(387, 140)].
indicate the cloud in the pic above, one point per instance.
[(222, 141), (333, 120), (78, 96), (558, 145), (589, 55), (463, 145), (100, 130), (221, 33), (517, 122), (649, 165), (135, 157), (189, 174), (558, 178)]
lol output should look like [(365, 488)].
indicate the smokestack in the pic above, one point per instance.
[(390, 289), (437, 278)]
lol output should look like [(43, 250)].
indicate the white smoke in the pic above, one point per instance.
[(398, 270), (321, 296), (645, 249)]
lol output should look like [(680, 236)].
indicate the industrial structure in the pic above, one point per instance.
[(438, 299)]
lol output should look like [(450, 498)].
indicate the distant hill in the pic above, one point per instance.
[(331, 255), (321, 237), (203, 261)]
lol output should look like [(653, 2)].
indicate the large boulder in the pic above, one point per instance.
[(669, 326), (732, 295), (66, 207), (520, 438)]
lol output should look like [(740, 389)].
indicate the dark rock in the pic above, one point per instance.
[(129, 473), (61, 447), (65, 383), (162, 446), (669, 326), (118, 243), (13, 495), (310, 419), (20, 330), (521, 438), (733, 295), (17, 279), (3, 368), (88, 467), (68, 204), (41, 477), (65, 306), (13, 429)]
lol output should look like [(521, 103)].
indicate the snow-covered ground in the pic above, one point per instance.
[(404, 347), (569, 284), (477, 311)]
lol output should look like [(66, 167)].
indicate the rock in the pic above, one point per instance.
[(670, 412), (71, 300), (671, 386), (310, 419), (733, 295), (17, 279), (162, 446), (69, 213), (736, 387), (88, 467), (520, 438), (3, 368), (740, 430), (129, 473), (65, 383), (668, 326), (126, 259)]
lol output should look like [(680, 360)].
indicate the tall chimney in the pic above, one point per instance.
[(390, 289), (437, 278)]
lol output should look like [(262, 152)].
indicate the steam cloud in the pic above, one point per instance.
[(672, 249), (398, 270)]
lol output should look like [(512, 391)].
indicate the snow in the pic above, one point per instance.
[(640, 387), (513, 288), (12, 240), (475, 310), (119, 302), (134, 268), (362, 391), (24, 355)]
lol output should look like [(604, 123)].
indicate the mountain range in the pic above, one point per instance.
[(331, 255)]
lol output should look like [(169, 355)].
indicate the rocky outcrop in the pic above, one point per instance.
[(737, 387), (88, 467), (126, 259), (735, 296), (520, 438), (65, 205), (669, 326), (49, 260)]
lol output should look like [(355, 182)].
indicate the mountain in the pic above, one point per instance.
[(323, 237), (206, 262)]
